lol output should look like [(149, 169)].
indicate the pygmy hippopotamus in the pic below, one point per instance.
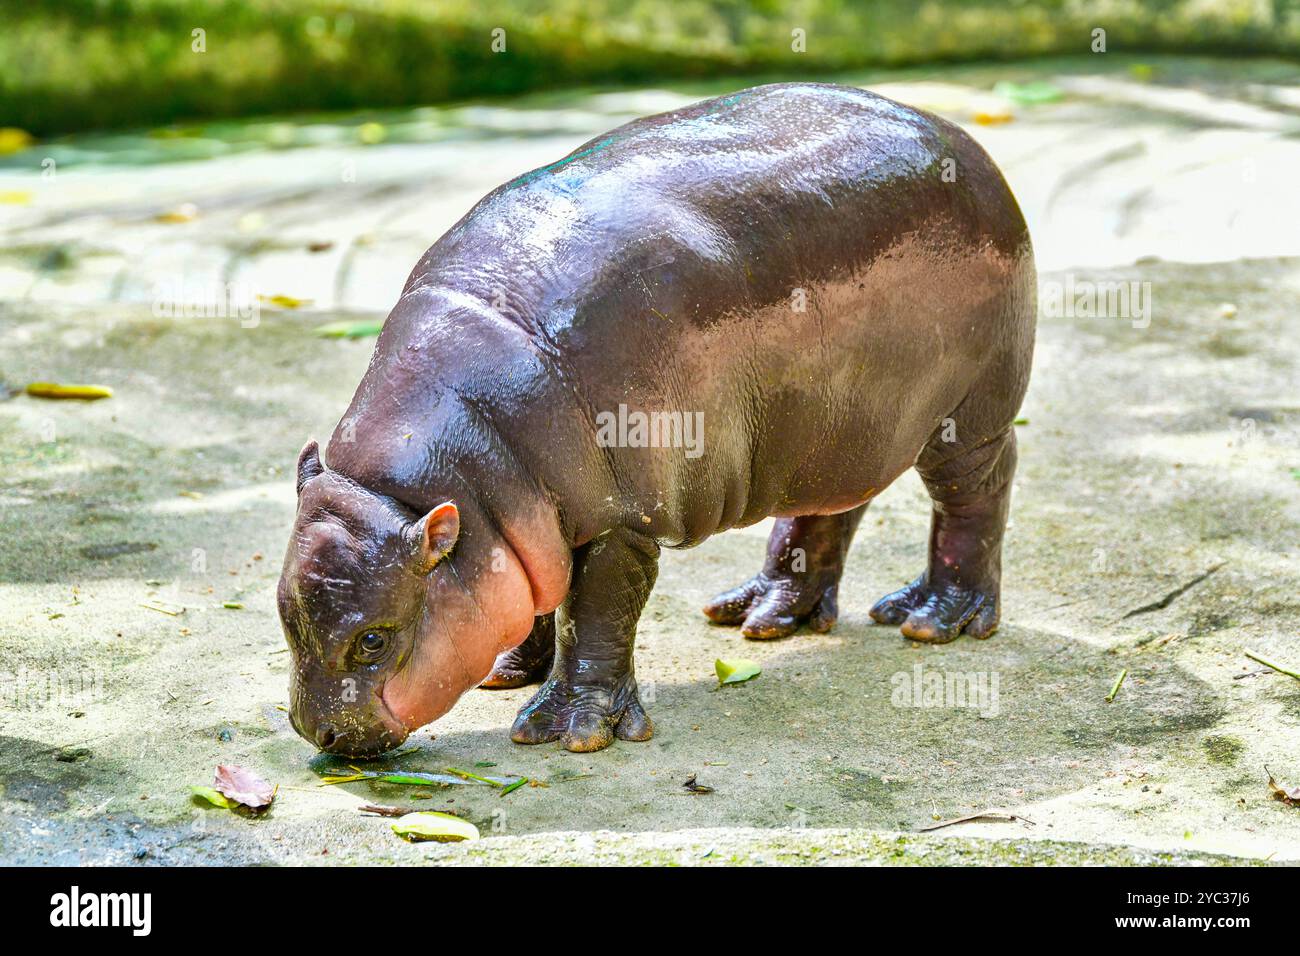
[(772, 303)]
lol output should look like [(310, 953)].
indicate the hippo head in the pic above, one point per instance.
[(385, 632)]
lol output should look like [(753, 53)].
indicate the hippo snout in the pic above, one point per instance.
[(351, 735), (366, 741), (364, 731)]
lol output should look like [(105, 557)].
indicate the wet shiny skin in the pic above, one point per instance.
[(790, 261)]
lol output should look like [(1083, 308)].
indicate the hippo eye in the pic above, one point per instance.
[(371, 646)]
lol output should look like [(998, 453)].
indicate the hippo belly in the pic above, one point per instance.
[(825, 296)]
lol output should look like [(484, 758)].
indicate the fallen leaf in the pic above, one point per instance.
[(15, 197), (735, 672), (349, 330), (694, 787), (214, 797), (232, 605), (432, 825), (284, 301), (412, 778), (185, 212), (13, 140), (244, 787), (1028, 94), (1289, 672), (1114, 690), (992, 117), (1288, 795), (466, 775), (55, 390), (371, 133)]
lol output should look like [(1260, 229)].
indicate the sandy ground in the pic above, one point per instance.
[(1152, 453)]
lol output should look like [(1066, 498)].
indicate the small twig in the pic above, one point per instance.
[(1004, 815), (1269, 664), (375, 810), (1119, 682), (1169, 598), (1262, 670), (172, 610), (1056, 607)]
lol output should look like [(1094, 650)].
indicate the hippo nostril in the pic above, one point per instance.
[(325, 736)]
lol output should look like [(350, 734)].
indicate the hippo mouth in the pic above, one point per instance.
[(366, 732)]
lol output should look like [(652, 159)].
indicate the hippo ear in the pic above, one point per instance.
[(434, 535), (309, 465)]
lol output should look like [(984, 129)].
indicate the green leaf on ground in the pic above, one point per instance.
[(1029, 94), (214, 797), (349, 330), (735, 672)]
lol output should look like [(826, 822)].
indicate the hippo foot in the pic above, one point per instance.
[(529, 663), (769, 606), (582, 718), (937, 613)]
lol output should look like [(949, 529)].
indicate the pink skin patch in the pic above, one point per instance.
[(456, 643)]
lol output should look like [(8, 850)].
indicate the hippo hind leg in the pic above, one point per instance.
[(960, 589), (799, 582), (530, 662)]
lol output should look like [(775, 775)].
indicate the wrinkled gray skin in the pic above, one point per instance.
[(843, 288)]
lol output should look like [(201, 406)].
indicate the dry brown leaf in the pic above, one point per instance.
[(695, 787), (244, 787), (1288, 795)]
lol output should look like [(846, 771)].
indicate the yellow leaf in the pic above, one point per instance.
[(54, 390), (15, 197), (284, 301), (371, 133), (735, 672), (431, 825), (185, 212), (13, 140)]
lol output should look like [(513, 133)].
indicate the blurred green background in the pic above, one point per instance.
[(70, 65)]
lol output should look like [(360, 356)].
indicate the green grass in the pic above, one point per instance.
[(81, 64)]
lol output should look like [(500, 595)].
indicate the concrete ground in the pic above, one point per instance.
[(1154, 527)]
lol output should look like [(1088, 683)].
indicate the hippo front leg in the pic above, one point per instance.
[(591, 695), (528, 663)]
